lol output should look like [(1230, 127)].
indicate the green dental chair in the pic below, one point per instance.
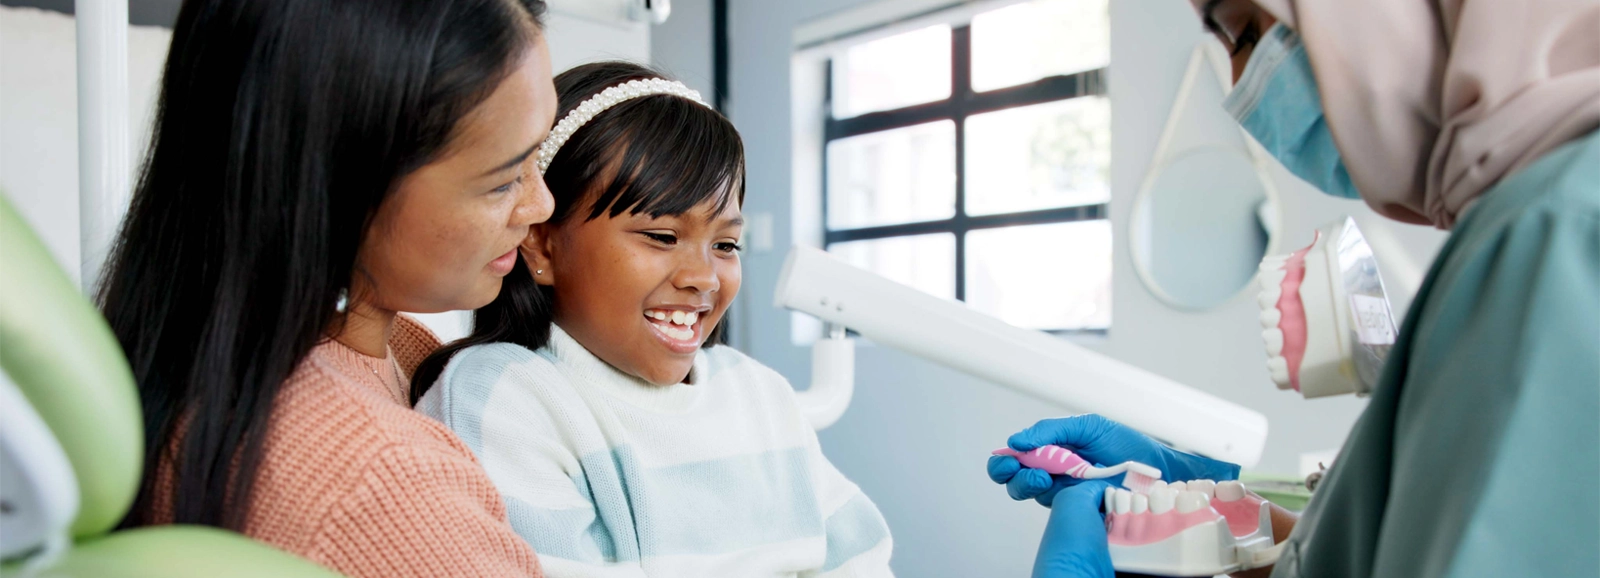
[(71, 442)]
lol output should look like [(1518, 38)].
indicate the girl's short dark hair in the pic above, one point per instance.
[(657, 155)]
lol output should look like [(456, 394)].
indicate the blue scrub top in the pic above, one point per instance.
[(1479, 454)]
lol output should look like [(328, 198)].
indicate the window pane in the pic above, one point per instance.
[(1056, 154), (1055, 276), (924, 262), (1026, 42), (903, 175), (893, 72)]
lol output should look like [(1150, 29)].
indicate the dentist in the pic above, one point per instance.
[(1477, 453)]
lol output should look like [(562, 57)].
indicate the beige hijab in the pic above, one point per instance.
[(1431, 102)]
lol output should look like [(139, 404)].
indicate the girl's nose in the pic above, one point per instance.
[(697, 272)]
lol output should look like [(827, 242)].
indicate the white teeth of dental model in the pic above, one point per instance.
[(1139, 504), (1268, 298), (1274, 340), (1274, 277), (1230, 491), (1154, 485), (1279, 368), (1111, 501), (677, 317), (1191, 502), (1124, 501), (1179, 486), (1163, 500), (1207, 487), (1270, 318)]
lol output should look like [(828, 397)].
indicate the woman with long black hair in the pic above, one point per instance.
[(317, 166)]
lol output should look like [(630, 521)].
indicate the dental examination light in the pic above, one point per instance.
[(1026, 360)]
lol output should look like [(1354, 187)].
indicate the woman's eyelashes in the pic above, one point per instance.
[(1247, 38), (506, 188), (729, 247)]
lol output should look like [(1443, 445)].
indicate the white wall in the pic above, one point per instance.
[(682, 46), (917, 435), (39, 117)]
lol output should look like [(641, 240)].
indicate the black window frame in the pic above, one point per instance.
[(962, 103)]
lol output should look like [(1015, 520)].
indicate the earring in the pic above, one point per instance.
[(538, 272), (343, 302)]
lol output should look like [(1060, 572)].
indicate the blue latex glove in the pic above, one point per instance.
[(1102, 442), (1074, 543)]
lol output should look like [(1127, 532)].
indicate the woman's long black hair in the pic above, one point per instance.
[(670, 155), (281, 127)]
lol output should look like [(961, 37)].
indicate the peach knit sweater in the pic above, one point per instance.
[(354, 479)]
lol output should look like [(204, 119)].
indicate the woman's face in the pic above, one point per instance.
[(448, 234), (1239, 24), (642, 293)]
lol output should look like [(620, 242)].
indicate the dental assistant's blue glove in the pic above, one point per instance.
[(1074, 543), (1103, 442)]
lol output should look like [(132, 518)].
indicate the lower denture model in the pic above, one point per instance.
[(1196, 528)]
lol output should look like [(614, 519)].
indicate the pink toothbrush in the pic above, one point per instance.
[(1061, 461)]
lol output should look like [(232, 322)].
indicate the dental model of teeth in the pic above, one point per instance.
[(1283, 314), (678, 325), (1325, 316), (1196, 528)]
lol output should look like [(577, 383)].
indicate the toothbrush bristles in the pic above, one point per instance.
[(1139, 477)]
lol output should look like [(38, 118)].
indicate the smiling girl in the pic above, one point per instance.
[(623, 439)]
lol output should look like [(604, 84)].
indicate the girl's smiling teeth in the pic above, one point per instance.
[(677, 325)]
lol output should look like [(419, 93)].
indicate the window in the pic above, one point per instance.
[(973, 162)]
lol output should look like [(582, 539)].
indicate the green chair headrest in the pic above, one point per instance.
[(60, 352)]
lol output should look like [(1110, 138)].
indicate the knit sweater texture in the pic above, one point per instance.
[(607, 475), (352, 478)]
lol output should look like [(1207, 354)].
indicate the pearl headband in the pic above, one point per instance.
[(598, 103)]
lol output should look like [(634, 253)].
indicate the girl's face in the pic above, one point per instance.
[(641, 293), (449, 233)]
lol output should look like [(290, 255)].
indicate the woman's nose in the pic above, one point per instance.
[(536, 205)]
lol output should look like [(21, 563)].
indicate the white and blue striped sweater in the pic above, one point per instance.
[(607, 475)]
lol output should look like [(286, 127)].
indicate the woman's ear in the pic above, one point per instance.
[(535, 250)]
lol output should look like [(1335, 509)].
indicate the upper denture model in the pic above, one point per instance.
[(1283, 315)]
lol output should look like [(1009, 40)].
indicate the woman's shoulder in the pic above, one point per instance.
[(332, 439)]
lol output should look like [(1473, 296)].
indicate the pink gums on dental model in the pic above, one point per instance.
[(1293, 311), (1243, 516)]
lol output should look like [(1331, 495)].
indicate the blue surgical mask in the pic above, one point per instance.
[(1277, 103)]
